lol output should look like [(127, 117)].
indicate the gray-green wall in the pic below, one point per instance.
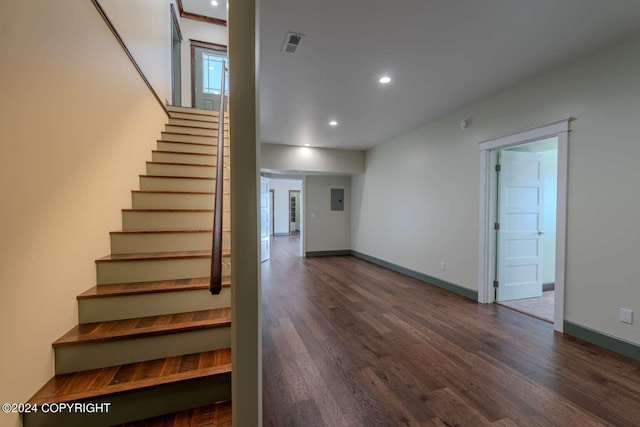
[(417, 205)]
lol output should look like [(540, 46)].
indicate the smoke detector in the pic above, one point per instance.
[(292, 42)]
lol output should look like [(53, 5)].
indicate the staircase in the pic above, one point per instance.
[(151, 339)]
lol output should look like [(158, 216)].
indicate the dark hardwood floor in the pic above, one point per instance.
[(348, 343)]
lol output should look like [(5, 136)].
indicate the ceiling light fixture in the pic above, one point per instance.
[(214, 3), (333, 123), (385, 79), (307, 145)]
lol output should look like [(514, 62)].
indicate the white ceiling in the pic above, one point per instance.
[(442, 54), (204, 8)]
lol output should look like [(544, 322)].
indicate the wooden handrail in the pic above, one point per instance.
[(126, 50), (215, 281)]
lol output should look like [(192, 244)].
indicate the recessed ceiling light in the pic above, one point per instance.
[(333, 123), (214, 3), (384, 80), (307, 145)]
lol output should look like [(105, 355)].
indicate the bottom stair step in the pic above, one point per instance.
[(135, 391), (218, 415)]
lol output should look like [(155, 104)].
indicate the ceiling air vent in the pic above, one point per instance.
[(292, 42)]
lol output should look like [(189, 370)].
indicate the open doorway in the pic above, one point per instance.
[(526, 186), (488, 274), (294, 212), (288, 197)]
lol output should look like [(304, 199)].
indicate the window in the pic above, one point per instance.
[(212, 72)]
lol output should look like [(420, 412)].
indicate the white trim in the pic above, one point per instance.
[(559, 129), (526, 135), (561, 231)]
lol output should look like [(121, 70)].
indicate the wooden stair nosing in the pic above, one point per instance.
[(139, 288), (181, 177), (164, 231), (216, 119), (145, 326), (181, 164), (172, 210), (193, 143), (172, 192), (169, 231), (104, 381), (197, 127), (192, 110), (157, 256), (189, 134), (187, 154)]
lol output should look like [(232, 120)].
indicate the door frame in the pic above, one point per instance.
[(176, 61), (297, 209), (206, 45), (487, 245), (272, 200)]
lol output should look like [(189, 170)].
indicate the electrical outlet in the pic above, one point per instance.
[(626, 316), (443, 266)]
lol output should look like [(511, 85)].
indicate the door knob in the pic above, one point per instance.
[(540, 232)]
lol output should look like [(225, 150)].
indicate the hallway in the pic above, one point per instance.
[(346, 342)]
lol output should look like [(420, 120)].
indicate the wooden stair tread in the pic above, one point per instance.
[(193, 143), (188, 154), (177, 285), (190, 126), (145, 326), (217, 415), (178, 177), (172, 210), (195, 118), (189, 134), (133, 376), (181, 177), (151, 256), (181, 164), (179, 230), (173, 192), (192, 110)]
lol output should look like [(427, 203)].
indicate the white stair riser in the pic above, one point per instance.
[(80, 357), (152, 270), (156, 183), (179, 109), (192, 159), (188, 148), (132, 220), (154, 304), (177, 184), (156, 169), (190, 130), (188, 138), (208, 122), (176, 201), (165, 242), (141, 404)]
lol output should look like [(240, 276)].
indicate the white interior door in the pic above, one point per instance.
[(520, 216), (265, 220)]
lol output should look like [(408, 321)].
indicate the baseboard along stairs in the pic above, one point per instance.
[(152, 342)]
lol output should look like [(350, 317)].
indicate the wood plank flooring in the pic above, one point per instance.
[(348, 343)]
